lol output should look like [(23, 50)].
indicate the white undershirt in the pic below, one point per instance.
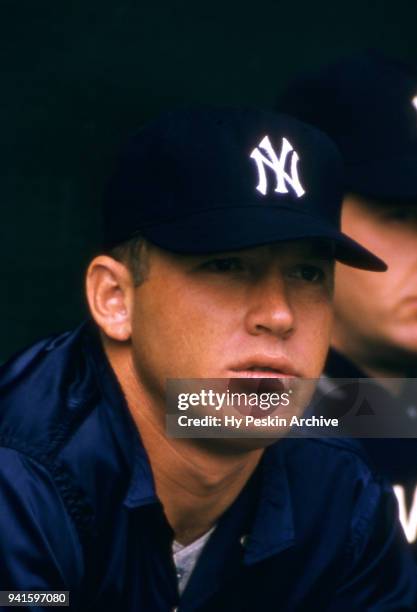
[(185, 557)]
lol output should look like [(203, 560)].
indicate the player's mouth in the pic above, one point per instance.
[(264, 367)]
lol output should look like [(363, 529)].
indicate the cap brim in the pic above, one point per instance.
[(230, 229), (385, 178)]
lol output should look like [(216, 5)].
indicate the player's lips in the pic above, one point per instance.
[(264, 367)]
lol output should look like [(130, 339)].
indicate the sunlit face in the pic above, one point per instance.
[(264, 311), (376, 313)]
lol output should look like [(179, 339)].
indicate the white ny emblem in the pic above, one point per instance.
[(277, 164)]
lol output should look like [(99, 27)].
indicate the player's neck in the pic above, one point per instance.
[(195, 486), (196, 483)]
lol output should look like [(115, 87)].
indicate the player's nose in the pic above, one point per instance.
[(269, 310)]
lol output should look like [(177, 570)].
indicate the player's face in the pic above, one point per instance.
[(378, 312), (265, 311)]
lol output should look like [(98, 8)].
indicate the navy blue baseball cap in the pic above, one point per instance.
[(211, 180), (367, 104)]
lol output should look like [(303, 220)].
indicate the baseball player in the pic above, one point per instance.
[(368, 105), (221, 228)]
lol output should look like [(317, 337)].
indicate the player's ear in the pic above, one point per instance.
[(109, 289)]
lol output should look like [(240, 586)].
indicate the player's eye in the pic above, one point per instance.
[(223, 264), (308, 273)]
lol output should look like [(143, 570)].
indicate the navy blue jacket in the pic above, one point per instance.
[(313, 529)]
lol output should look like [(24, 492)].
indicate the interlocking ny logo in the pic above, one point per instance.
[(277, 164)]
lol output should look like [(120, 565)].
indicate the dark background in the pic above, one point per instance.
[(78, 77)]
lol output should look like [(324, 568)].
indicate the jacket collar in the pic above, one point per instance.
[(273, 526)]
